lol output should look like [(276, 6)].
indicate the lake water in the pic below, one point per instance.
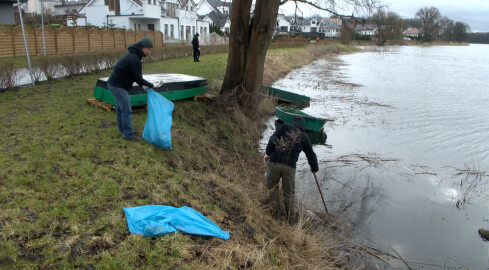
[(407, 157)]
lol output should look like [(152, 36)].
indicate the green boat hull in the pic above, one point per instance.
[(175, 87), (105, 95), (312, 123), (286, 96)]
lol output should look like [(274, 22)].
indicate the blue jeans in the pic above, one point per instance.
[(123, 111)]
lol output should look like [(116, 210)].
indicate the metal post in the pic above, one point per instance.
[(42, 27), (25, 41)]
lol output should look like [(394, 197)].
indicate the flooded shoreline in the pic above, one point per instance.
[(403, 165)]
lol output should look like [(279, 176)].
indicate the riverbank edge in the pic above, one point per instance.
[(214, 168)]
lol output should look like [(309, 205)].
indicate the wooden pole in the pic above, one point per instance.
[(320, 192)]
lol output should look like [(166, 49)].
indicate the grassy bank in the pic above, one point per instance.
[(65, 173)]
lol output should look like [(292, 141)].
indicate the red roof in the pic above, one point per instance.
[(412, 31)]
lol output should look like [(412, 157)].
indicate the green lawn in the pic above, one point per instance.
[(65, 173)]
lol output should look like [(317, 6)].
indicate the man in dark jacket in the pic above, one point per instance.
[(128, 70), (282, 153), (195, 45)]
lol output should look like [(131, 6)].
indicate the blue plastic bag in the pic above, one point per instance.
[(158, 120), (153, 220)]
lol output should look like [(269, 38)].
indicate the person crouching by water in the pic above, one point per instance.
[(282, 153), (195, 45), (127, 70)]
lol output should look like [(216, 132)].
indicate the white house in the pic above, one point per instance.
[(219, 12), (176, 19), (283, 25), (329, 28), (365, 29)]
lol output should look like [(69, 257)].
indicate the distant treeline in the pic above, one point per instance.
[(478, 38)]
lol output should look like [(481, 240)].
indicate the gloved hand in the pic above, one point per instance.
[(159, 84), (152, 86)]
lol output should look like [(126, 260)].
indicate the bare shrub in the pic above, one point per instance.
[(37, 72), (90, 62), (8, 75), (110, 58), (72, 64), (49, 66)]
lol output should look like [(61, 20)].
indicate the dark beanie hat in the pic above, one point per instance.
[(146, 42)]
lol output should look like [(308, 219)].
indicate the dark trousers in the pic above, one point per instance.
[(123, 110), (196, 54), (277, 171)]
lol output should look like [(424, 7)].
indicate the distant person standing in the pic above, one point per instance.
[(128, 70), (282, 153), (195, 45)]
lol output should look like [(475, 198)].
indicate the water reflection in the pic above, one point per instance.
[(402, 168)]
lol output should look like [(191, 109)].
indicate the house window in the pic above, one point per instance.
[(171, 10), (171, 31), (191, 8), (193, 30), (205, 29), (114, 5), (151, 26), (201, 30), (166, 29), (284, 28), (187, 32), (181, 32), (139, 26), (313, 29)]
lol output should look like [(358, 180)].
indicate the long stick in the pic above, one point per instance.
[(320, 193)]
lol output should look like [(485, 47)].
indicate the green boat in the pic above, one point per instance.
[(175, 87), (286, 96), (312, 123)]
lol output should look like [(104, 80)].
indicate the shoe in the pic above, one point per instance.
[(133, 139)]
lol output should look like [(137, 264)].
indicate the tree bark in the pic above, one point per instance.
[(250, 36)]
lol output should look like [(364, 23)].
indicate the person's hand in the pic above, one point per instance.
[(152, 86), (158, 84), (266, 159)]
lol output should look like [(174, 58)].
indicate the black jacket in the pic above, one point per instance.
[(128, 69), (288, 141), (195, 42)]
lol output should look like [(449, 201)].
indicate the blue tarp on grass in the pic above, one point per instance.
[(153, 220)]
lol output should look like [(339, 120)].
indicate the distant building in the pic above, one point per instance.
[(283, 25), (7, 15), (219, 12), (330, 28), (177, 19), (412, 32), (365, 29)]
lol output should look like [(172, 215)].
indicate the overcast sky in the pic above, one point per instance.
[(473, 12)]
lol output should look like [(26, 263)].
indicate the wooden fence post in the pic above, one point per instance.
[(102, 39), (73, 38), (35, 40), (13, 39), (56, 41)]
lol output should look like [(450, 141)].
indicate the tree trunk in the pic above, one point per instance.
[(250, 37)]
